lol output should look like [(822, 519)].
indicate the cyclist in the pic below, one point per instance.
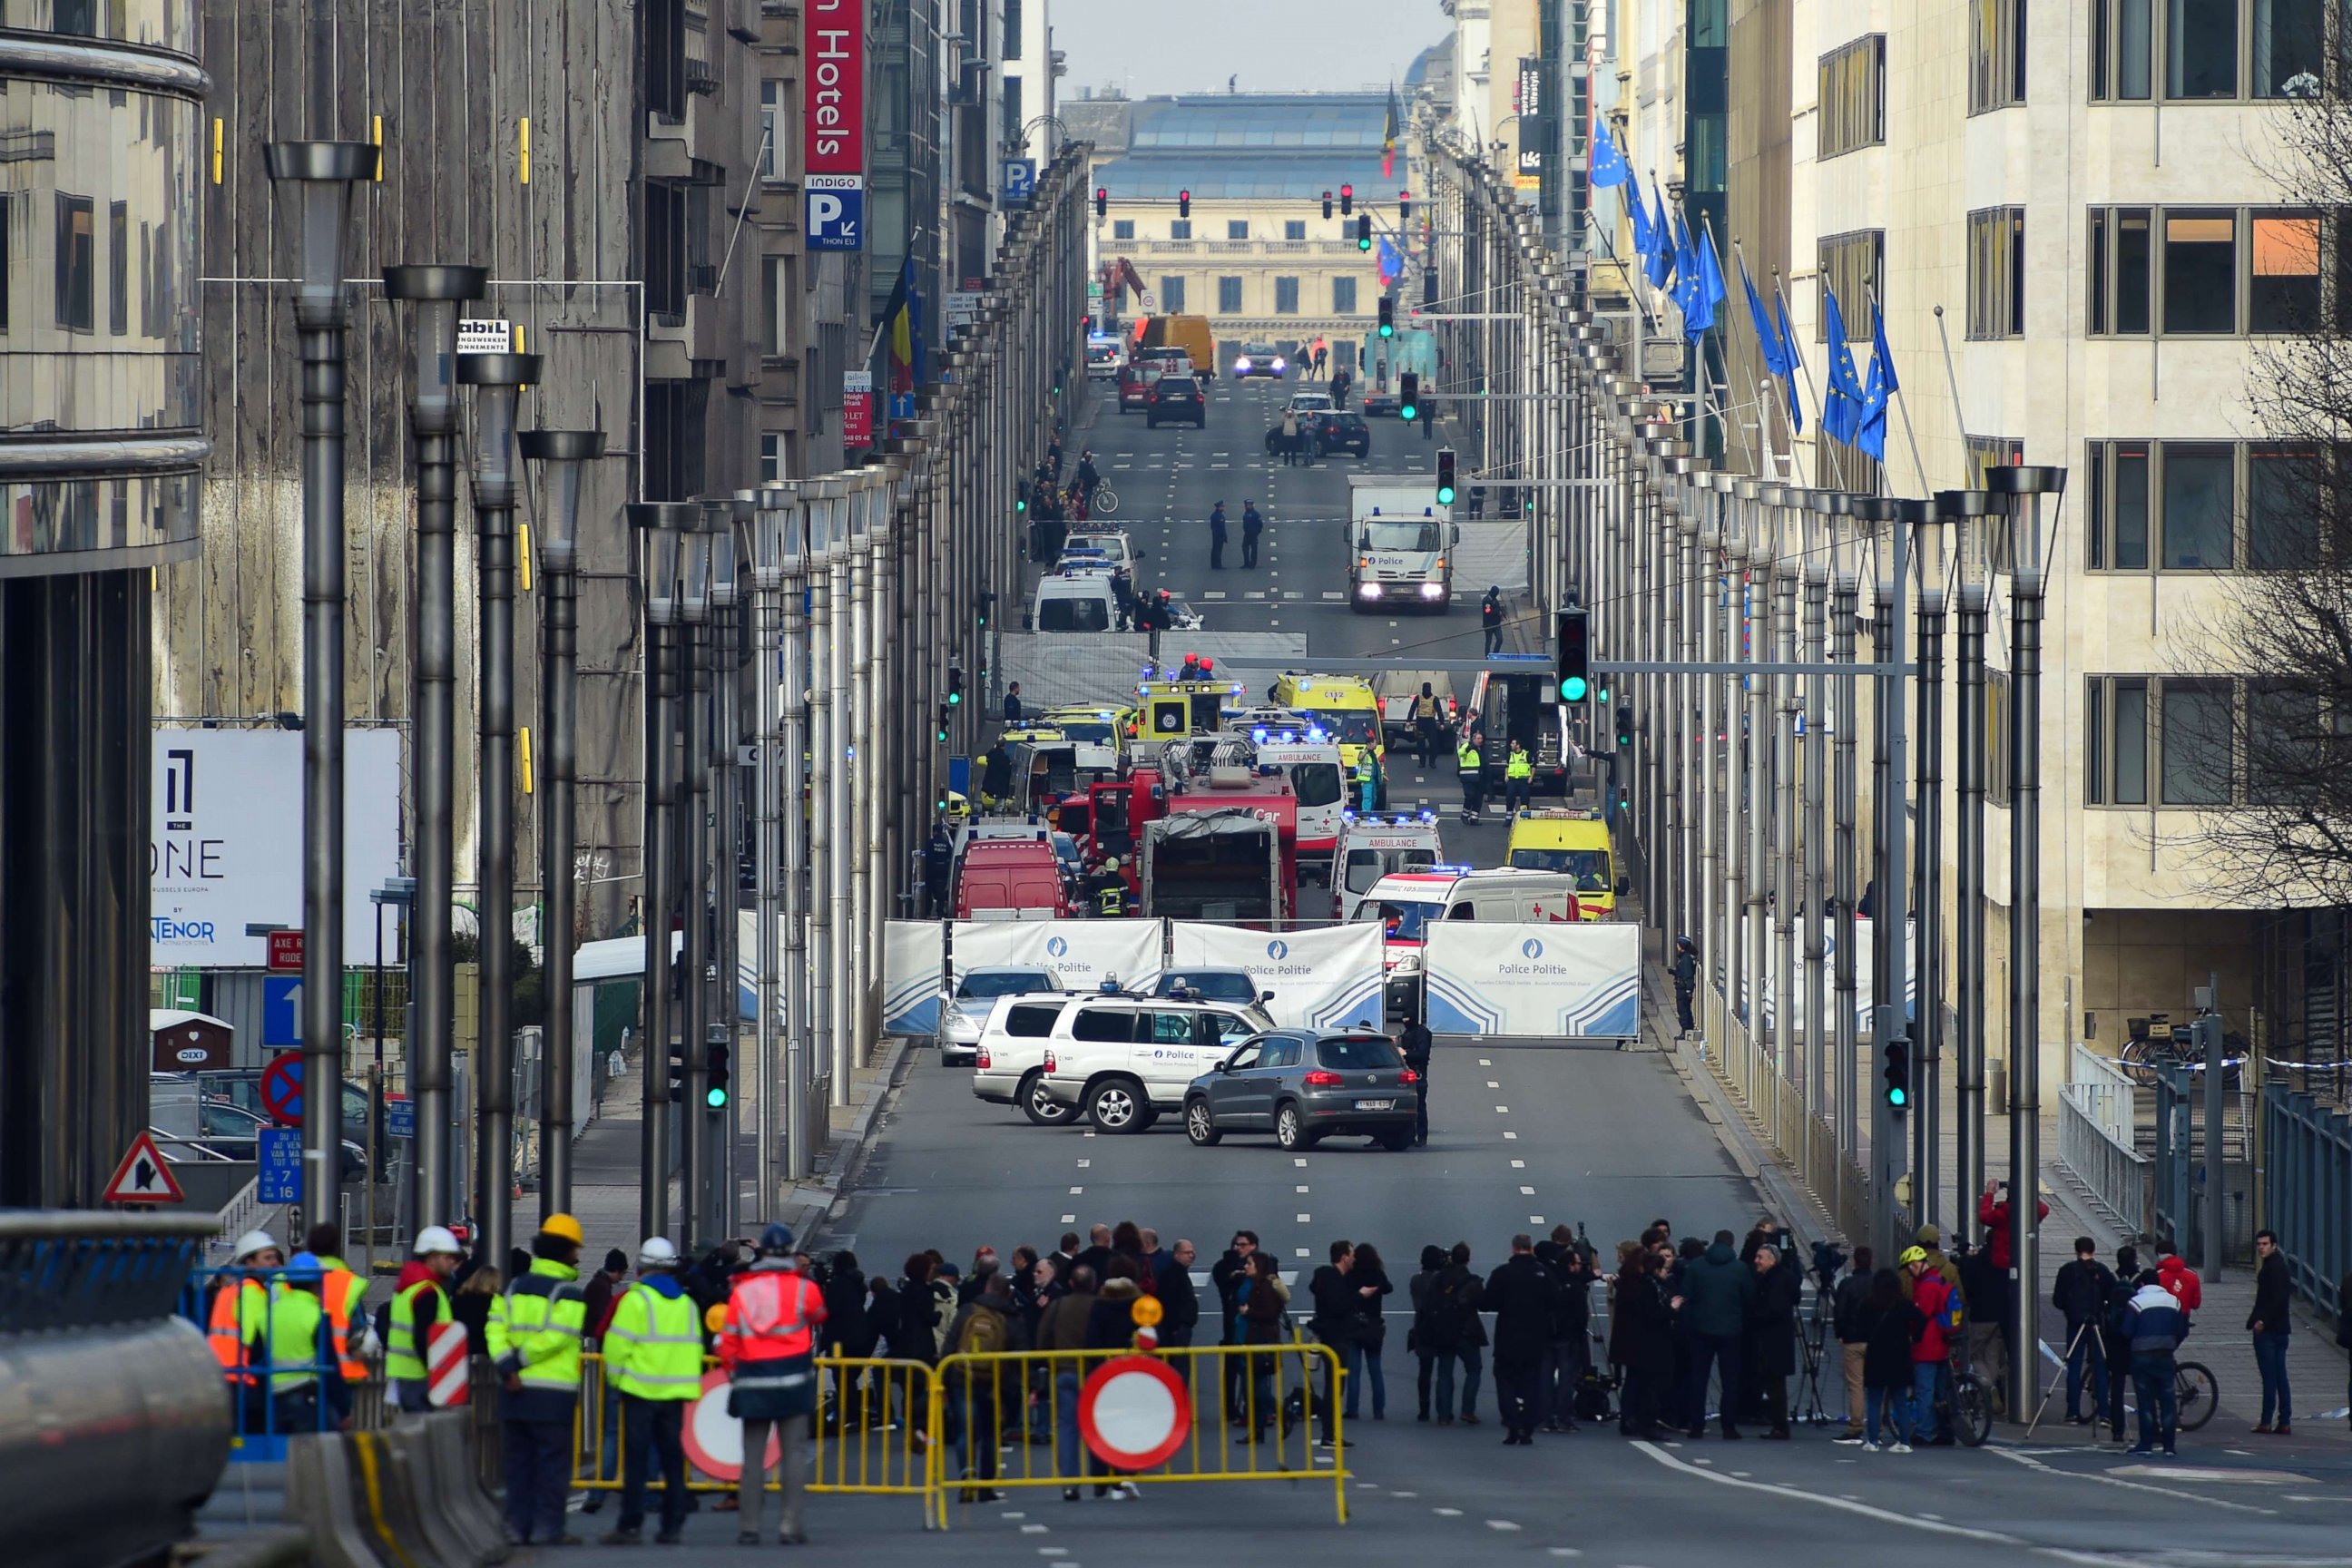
[(1088, 479), (1931, 1353)]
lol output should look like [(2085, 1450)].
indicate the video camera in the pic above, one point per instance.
[(1827, 1260)]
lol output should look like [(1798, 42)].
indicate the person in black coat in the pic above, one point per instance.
[(1227, 1276), (1890, 1326), (1460, 1336), (2081, 1292), (1422, 1339), (1520, 1294), (1180, 1299), (1416, 1043), (1373, 1288), (1771, 1340), (1642, 1344), (1568, 1355)]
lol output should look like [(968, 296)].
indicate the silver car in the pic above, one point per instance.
[(965, 1010)]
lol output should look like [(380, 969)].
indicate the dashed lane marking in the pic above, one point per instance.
[(1526, 1192), (1502, 1111), (1518, 1164), (1500, 1524), (1446, 1512), (1069, 1219), (1492, 1084)]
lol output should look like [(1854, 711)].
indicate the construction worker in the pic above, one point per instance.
[(1518, 779), (300, 1354), (652, 1355), (240, 1312), (1472, 769), (420, 1299), (534, 1334), (768, 1344), (343, 1294)]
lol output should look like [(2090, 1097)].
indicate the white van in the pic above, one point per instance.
[(1372, 846), (1407, 902), (1074, 600)]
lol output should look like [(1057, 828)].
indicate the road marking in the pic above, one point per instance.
[(1083, 1163), (1518, 1164), (1886, 1516), (1303, 1252), (1512, 1135), (1492, 1084), (2187, 1473), (1049, 1551), (1486, 1062), (1037, 1529), (1303, 1218), (1405, 1494), (1299, 1161), (1327, 594), (1502, 1111), (1566, 1550), (1535, 1219), (1214, 594), (1500, 1524), (1446, 1512), (1077, 1191), (2033, 1464), (1069, 1219), (1526, 1192), (1302, 1186)]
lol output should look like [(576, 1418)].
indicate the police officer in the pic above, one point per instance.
[(1472, 768), (768, 1344), (1217, 537), (1686, 982), (1518, 779), (1428, 724), (534, 1342), (421, 1301), (1416, 1042), (1490, 608), (1253, 524), (938, 855), (653, 1356)]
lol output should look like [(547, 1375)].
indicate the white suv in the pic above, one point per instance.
[(1009, 1062), (1124, 1060)]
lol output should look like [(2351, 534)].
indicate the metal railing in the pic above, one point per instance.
[(2097, 1139), (2307, 1195), (1805, 1142)]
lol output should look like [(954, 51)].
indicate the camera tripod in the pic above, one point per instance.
[(1813, 1336)]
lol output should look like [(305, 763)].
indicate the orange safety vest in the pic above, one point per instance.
[(224, 1328), (339, 1297), (771, 1313)]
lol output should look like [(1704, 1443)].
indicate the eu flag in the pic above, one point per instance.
[(1609, 166), (1767, 341), (1841, 406), (1877, 392), (1662, 253)]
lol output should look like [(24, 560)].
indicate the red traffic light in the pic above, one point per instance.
[(1184, 203), (1348, 191), (1102, 200), (1347, 200)]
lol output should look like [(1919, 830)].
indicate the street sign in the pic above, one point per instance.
[(286, 949), (400, 1118), (714, 1439), (278, 1154), (1134, 1412), (835, 214), (963, 306), (143, 1177), (281, 1088), (282, 1010), (488, 335), (1019, 179)]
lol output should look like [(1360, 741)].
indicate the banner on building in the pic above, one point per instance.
[(1535, 981), (914, 972), (226, 832), (857, 408), (1324, 978), (1083, 953), (834, 126)]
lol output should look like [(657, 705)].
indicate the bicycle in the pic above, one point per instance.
[(1104, 501), (2196, 1395), (1967, 1410)]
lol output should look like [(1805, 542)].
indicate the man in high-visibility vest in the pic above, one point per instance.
[(768, 1344), (1367, 781), (653, 1357), (239, 1314), (1472, 769), (1518, 779), (420, 1299), (534, 1340), (300, 1354), (343, 1294)]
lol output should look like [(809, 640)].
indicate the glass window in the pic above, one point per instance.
[(2130, 526), (1122, 228), (1174, 1028), (2283, 295), (2200, 252), (1358, 1053), (2196, 507), (2196, 744), (1103, 1023), (2283, 490), (2134, 29), (2287, 744), (2131, 742), (1237, 228), (1852, 87), (1294, 228), (2200, 49), (1031, 1020), (1343, 295), (1996, 54), (1180, 229), (2289, 48), (77, 262), (118, 268), (1281, 1053), (5, 252), (1229, 296), (1171, 296), (1285, 296), (2134, 249), (1996, 273), (772, 457), (2094, 726), (772, 101)]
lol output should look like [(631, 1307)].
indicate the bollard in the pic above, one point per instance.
[(320, 1497), (409, 1480), (459, 1490)]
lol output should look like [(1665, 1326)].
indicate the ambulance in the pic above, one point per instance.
[(1343, 707), (1310, 761), (1372, 846), (1573, 841)]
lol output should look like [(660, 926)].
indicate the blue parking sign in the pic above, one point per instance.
[(279, 1158), (1019, 179), (834, 212)]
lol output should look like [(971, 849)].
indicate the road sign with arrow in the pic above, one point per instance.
[(143, 1177)]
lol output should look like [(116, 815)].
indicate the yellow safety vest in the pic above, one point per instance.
[(654, 1348), (535, 1327), (404, 1357), (1520, 766), (293, 1342), (1466, 759)]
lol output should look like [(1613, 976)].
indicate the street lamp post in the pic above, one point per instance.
[(660, 526), (694, 860), (562, 458), (1927, 521), (2017, 491), (1890, 964), (1971, 512), (1845, 594), (774, 547), (437, 293), (727, 649), (498, 380), (324, 176), (1813, 524)]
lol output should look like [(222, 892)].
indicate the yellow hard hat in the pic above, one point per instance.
[(1913, 1255), (565, 1225), (714, 1320)]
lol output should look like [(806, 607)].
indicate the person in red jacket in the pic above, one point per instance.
[(1931, 1365), (2181, 1280), (1992, 1211)]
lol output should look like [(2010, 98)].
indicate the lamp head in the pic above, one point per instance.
[(659, 525), (323, 177), (561, 458), (497, 380), (437, 292)]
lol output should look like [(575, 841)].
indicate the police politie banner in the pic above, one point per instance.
[(1327, 977), (1550, 981)]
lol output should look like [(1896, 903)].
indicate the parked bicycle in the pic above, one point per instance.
[(2196, 1395), (1104, 501), (2145, 1057), (1967, 1410)]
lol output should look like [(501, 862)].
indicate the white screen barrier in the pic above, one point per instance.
[(1548, 981), (1325, 978)]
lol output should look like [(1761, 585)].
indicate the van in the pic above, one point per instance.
[(1409, 902), (1074, 600), (1573, 841), (1123, 1062), (1189, 334), (1341, 706), (1010, 880)]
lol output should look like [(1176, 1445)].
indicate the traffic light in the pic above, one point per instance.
[(1409, 395), (1183, 203), (678, 1074), (1625, 726), (715, 1090), (1574, 646), (1347, 200), (1898, 1076), (1404, 207), (985, 599), (942, 736), (1327, 204), (1445, 476), (1429, 289), (955, 686), (1364, 231), (1388, 317), (1102, 201)]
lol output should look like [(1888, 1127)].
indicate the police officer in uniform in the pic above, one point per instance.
[(1415, 1042), (534, 1342), (653, 1357), (769, 1344), (1518, 779), (1367, 781), (1472, 767)]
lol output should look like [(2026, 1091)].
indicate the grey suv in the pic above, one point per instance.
[(1305, 1087)]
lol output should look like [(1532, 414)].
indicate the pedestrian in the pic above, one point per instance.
[(307, 1392), (2115, 1341), (1334, 1325), (1490, 614), (1416, 1044), (1341, 380), (1289, 437), (1368, 780), (1265, 1301), (1770, 1350), (1992, 1213), (2344, 1328), (1428, 724), (1253, 524), (420, 1299), (476, 1293), (2081, 1292), (1090, 478), (1641, 1344), (1012, 703), (1890, 1328), (1322, 358), (1054, 460), (1217, 537), (1460, 1335), (1477, 504), (1567, 1349), (1685, 983), (996, 778), (1180, 1299), (767, 1342), (1987, 1289), (1373, 1288), (653, 1359), (1520, 1293), (1422, 1337), (1519, 780), (939, 859), (2157, 1324), (1846, 1302), (1714, 1301), (1931, 1366), (533, 1332), (1470, 767), (2270, 1322), (1062, 1336), (984, 1389), (341, 1296)]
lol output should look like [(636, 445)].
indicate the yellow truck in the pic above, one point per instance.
[(1573, 840)]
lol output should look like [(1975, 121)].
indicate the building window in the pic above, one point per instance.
[(2194, 507), (2207, 506), (1997, 273), (118, 268), (2198, 272), (77, 263), (6, 214), (1343, 295), (2286, 489), (771, 124), (663, 22), (2206, 49), (665, 249), (2283, 287), (1011, 29), (1285, 296), (1014, 120), (1985, 453), (772, 457), (1180, 229), (1122, 228), (1996, 55), (1237, 228), (1229, 296), (1853, 96), (1998, 753), (2196, 742), (1171, 296), (1851, 264), (2206, 271), (2118, 505), (1294, 228)]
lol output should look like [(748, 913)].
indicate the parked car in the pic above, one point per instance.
[(965, 1010), (1125, 1060), (1176, 399), (1304, 1087), (1342, 431), (1235, 986)]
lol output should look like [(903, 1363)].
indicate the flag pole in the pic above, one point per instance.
[(1959, 415), (1821, 439), (1767, 380), (1878, 322), (1698, 345)]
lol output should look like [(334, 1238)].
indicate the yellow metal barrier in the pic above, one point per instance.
[(1255, 1412)]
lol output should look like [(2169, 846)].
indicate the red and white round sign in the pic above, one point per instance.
[(714, 1439), (1134, 1412)]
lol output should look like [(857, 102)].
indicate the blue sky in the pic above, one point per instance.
[(1274, 45)]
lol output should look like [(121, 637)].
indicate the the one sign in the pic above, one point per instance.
[(489, 335), (714, 1439), (448, 1368), (286, 949), (835, 211), (1019, 179), (1134, 1412), (400, 1118), (278, 1153), (223, 803), (281, 1088), (833, 127), (282, 1010), (143, 1177), (857, 408)]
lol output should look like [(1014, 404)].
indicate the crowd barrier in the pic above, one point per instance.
[(402, 1497)]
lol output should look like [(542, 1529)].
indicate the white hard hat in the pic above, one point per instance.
[(254, 1241), (436, 1239), (657, 1252)]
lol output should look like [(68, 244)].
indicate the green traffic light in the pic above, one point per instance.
[(1446, 495), (716, 1098), (1363, 245), (1409, 410), (954, 699), (1573, 689), (1604, 697), (1898, 1098), (1387, 329)]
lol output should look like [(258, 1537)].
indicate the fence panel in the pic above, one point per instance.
[(2097, 1118), (2308, 1199)]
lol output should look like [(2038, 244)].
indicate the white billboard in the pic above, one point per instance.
[(914, 966), (226, 850), (1546, 981), (1325, 978), (1083, 953)]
